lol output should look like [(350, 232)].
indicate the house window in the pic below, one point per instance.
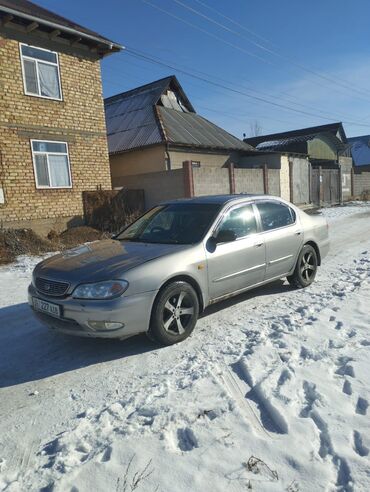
[(41, 75), (51, 164)]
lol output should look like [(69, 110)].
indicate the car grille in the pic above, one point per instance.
[(51, 287)]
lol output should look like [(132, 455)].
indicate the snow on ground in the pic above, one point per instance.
[(277, 375)]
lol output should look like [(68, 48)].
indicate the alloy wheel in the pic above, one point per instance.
[(178, 313), (308, 266)]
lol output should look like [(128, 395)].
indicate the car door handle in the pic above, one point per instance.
[(258, 245), (298, 233)]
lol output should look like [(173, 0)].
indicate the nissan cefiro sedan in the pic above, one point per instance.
[(164, 269)]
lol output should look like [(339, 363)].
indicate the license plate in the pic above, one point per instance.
[(46, 307)]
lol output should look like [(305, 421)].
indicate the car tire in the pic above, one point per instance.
[(306, 268), (174, 314)]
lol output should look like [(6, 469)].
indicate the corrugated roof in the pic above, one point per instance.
[(27, 9), (194, 130), (333, 128), (136, 118), (279, 144), (360, 150)]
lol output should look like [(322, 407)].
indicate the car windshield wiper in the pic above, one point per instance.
[(132, 239)]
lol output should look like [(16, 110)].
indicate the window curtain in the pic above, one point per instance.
[(49, 82), (42, 173), (59, 171), (30, 76)]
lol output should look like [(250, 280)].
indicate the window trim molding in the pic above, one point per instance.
[(57, 64), (33, 153)]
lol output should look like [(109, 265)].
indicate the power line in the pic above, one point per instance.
[(208, 33), (290, 99), (230, 89), (290, 60)]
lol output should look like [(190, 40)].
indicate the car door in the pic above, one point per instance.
[(237, 264), (282, 235)]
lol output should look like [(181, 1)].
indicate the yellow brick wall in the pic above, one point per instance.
[(77, 120)]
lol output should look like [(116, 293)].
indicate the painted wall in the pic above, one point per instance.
[(139, 161), (320, 148), (205, 159), (157, 186), (284, 178)]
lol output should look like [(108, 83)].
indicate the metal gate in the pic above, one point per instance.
[(325, 186)]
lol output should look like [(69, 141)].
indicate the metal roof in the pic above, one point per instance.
[(195, 131), (30, 12), (360, 150), (336, 129), (279, 144), (137, 118)]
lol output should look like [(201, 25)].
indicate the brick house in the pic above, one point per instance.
[(53, 142)]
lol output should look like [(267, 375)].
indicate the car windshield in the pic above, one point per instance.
[(177, 223)]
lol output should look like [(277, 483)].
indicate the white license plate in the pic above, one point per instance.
[(46, 307)]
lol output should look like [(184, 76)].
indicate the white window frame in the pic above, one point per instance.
[(25, 57), (36, 152)]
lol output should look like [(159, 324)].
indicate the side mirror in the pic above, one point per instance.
[(225, 236)]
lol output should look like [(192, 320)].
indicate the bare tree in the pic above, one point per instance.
[(255, 129)]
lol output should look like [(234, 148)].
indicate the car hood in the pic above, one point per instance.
[(101, 260)]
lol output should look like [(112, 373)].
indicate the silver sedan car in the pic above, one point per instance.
[(159, 273)]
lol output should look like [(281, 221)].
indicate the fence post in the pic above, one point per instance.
[(188, 179), (340, 185), (231, 178), (309, 182), (352, 181), (320, 186), (265, 171), (291, 182)]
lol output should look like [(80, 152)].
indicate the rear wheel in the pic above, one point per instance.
[(175, 313), (306, 268)]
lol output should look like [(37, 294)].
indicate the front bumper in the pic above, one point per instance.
[(132, 311)]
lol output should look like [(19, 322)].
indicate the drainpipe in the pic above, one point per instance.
[(168, 157)]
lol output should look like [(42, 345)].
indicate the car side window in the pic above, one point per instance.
[(275, 215), (240, 220)]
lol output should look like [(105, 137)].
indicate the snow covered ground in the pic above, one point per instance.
[(271, 392)]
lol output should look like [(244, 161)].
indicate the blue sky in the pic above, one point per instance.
[(311, 56)]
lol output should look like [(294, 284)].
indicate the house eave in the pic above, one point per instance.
[(102, 46)]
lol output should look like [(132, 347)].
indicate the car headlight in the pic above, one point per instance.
[(101, 290)]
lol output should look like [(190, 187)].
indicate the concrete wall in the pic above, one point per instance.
[(274, 182), (140, 161), (157, 186), (211, 181), (78, 120), (248, 181), (361, 183)]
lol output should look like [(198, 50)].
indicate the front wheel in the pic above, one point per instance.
[(175, 313), (306, 268)]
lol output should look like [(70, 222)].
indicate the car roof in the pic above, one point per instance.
[(219, 199)]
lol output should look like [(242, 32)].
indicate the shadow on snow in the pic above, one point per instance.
[(29, 351)]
